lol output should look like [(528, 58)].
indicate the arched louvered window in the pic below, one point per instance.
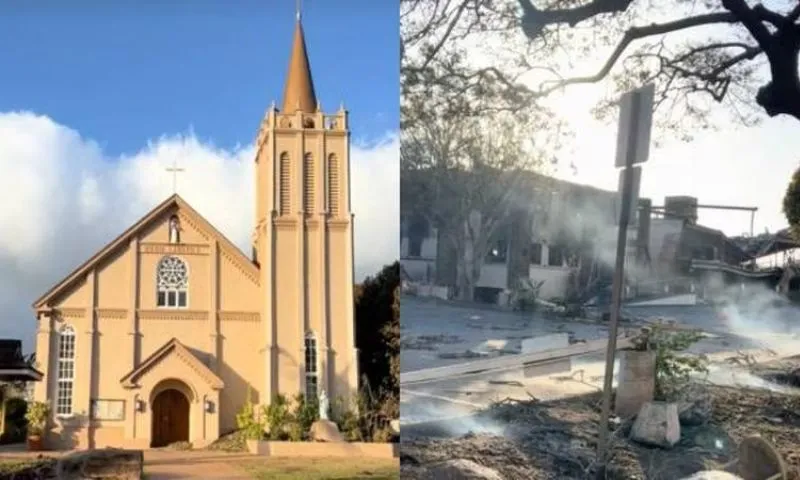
[(312, 378), (285, 200), (333, 184), (309, 183), (66, 370)]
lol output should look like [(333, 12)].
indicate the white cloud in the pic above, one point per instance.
[(63, 198)]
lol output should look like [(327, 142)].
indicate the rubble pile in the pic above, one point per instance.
[(557, 440)]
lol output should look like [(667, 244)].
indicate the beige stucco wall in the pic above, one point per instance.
[(245, 323), (306, 254), (118, 325)]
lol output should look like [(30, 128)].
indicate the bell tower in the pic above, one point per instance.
[(303, 241)]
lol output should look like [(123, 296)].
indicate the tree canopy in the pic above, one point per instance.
[(377, 322), (465, 175), (791, 204), (697, 53)]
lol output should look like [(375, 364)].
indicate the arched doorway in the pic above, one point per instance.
[(170, 418)]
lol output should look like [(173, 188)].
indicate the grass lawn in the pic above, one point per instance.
[(324, 469)]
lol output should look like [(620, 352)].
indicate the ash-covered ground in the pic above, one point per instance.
[(437, 333), (547, 425)]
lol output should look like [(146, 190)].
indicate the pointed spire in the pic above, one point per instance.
[(298, 94)]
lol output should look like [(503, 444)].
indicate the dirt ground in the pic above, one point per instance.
[(556, 440)]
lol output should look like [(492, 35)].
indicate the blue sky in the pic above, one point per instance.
[(98, 98), (125, 72)]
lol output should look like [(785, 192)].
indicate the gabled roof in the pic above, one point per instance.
[(174, 347), (127, 235)]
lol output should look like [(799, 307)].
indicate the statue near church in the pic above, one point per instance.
[(323, 405), (174, 230)]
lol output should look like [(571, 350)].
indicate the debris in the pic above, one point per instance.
[(493, 347), (465, 354), (545, 342), (540, 438), (461, 469), (657, 424), (758, 460), (713, 475), (427, 342), (741, 358), (512, 383), (694, 404)]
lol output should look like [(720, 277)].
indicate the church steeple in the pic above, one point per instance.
[(298, 94)]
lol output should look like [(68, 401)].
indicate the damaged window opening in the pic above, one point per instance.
[(555, 257), (498, 252), (418, 230), (536, 254)]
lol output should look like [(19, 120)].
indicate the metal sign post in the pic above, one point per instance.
[(633, 147)]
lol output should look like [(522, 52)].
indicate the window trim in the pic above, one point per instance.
[(311, 337), (177, 292), (59, 380)]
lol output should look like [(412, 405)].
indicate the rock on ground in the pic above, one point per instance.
[(325, 431), (713, 475), (694, 404), (460, 469), (657, 425)]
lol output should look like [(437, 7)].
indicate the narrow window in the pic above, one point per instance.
[(536, 254), (172, 277), (66, 370), (556, 256), (312, 382), (285, 186), (417, 233), (308, 183), (333, 184)]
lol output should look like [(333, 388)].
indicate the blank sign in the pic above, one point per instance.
[(635, 119)]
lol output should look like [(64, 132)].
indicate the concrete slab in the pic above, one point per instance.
[(545, 342)]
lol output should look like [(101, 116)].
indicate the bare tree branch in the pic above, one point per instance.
[(534, 19), (636, 33)]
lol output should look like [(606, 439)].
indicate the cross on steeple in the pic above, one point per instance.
[(298, 6), (175, 170)]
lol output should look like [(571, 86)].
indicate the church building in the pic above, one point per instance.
[(161, 336)]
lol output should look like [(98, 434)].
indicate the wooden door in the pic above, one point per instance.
[(170, 418)]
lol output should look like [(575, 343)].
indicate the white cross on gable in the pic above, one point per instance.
[(175, 170)]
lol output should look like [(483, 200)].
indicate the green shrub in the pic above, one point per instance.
[(295, 432), (16, 424), (36, 415), (673, 367), (346, 419), (304, 415), (523, 298), (277, 416), (248, 421), (368, 418)]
